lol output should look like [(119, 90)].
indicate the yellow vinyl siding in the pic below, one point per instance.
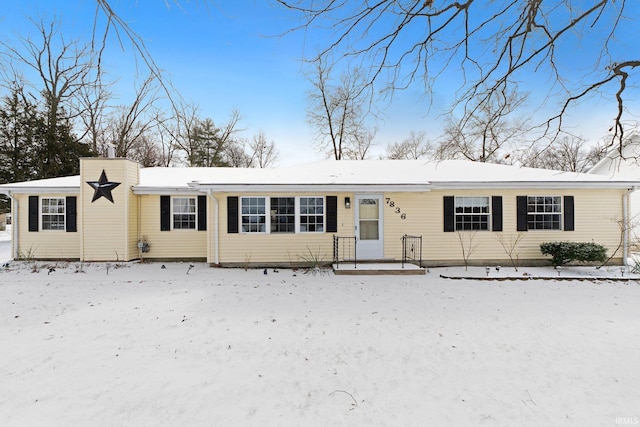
[(44, 244), (414, 207), (594, 222), (107, 233), (423, 216), (174, 244), (250, 248), (133, 177)]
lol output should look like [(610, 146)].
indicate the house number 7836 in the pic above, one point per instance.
[(396, 209)]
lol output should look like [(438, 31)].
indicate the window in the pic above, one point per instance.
[(283, 215), (253, 215), (544, 212), (53, 213), (472, 213), (184, 213), (311, 214), (274, 215)]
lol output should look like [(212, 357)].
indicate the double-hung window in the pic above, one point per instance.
[(283, 214), (544, 212), (311, 214), (53, 213), (253, 215), (184, 213), (472, 213)]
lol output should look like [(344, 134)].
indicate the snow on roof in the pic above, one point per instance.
[(413, 174), (345, 172), (625, 163), (66, 184)]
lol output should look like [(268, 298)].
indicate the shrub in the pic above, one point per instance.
[(565, 252)]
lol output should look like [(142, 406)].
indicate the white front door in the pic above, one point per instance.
[(369, 227)]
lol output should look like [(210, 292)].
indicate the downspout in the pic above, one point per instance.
[(14, 228), (625, 229), (216, 227), (627, 225)]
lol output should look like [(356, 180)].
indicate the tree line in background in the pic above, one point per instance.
[(340, 112), (67, 111), (568, 51)]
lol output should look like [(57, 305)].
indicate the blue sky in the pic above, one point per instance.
[(226, 54)]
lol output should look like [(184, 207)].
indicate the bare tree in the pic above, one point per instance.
[(361, 143), (131, 123), (63, 69), (91, 108), (262, 151), (181, 131), (485, 46), (336, 111), (147, 152), (165, 134), (237, 155), (571, 154), (481, 136), (414, 147)]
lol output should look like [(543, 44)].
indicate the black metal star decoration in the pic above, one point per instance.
[(103, 187)]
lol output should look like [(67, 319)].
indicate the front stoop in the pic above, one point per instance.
[(375, 269)]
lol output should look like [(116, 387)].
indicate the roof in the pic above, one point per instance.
[(623, 163), (369, 175), (345, 175), (66, 184)]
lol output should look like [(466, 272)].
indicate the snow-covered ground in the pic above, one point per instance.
[(136, 344), (5, 245)]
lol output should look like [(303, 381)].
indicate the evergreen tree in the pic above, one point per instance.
[(18, 130), (59, 151), (209, 144), (18, 140)]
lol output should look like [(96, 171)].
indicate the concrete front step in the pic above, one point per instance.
[(371, 269)]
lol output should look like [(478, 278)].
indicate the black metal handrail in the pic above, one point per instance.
[(412, 250), (343, 248)]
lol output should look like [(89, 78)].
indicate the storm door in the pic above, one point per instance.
[(369, 226)]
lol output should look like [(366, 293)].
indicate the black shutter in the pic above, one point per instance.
[(449, 214), (332, 214), (165, 213), (569, 222), (232, 214), (521, 213), (496, 213), (33, 213), (202, 213), (71, 214)]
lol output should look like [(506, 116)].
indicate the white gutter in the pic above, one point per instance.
[(216, 227), (14, 228)]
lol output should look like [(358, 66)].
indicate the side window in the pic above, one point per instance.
[(52, 213)]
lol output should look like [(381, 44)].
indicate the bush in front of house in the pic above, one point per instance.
[(566, 252)]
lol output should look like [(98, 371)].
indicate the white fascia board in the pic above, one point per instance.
[(39, 190), (535, 185), (311, 188), (167, 191)]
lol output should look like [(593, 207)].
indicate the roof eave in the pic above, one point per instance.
[(534, 185), (39, 190)]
